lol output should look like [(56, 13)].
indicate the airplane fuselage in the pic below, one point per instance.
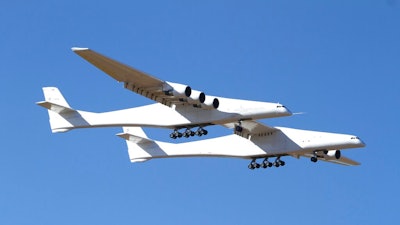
[(284, 141), (159, 115)]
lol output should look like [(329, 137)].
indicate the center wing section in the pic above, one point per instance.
[(164, 92), (248, 128)]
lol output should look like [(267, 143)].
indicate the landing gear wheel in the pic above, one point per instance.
[(314, 159), (187, 133), (239, 128), (264, 165)]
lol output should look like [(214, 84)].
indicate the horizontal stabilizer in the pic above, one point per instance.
[(55, 107), (135, 135)]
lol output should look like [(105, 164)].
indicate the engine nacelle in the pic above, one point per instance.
[(178, 90), (186, 94), (210, 103), (196, 97), (333, 154)]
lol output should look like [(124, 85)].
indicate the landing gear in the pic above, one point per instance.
[(175, 134), (265, 164), (239, 128), (188, 133), (314, 158), (201, 131), (278, 162), (253, 165)]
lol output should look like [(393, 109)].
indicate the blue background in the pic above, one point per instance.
[(338, 61)]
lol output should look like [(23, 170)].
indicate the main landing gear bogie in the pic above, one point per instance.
[(188, 133), (265, 164)]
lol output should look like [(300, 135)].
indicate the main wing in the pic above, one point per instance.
[(164, 92)]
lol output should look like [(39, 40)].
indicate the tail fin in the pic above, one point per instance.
[(54, 100), (58, 109), (139, 145)]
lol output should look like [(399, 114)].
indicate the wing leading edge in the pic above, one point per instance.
[(164, 92)]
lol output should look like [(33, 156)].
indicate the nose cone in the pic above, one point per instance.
[(361, 143), (357, 142), (283, 111)]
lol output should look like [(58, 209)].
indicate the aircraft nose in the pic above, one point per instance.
[(283, 110), (358, 142)]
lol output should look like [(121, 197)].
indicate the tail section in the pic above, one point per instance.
[(140, 147), (58, 109), (54, 100)]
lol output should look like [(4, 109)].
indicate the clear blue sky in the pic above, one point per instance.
[(339, 61)]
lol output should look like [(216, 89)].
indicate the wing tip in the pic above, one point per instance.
[(75, 49)]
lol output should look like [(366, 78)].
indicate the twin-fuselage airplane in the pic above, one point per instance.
[(183, 109)]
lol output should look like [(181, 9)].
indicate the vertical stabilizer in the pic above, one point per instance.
[(52, 94), (138, 143), (58, 109)]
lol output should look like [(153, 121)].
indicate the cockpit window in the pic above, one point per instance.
[(355, 138), (280, 106)]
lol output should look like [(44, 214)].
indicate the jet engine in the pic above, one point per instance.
[(333, 154), (200, 100), (196, 97), (178, 90), (210, 103), (186, 94)]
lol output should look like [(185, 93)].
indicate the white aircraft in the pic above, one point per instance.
[(178, 106), (255, 141)]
